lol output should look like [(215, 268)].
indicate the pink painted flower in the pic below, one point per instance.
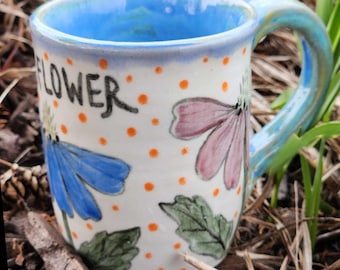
[(227, 142)]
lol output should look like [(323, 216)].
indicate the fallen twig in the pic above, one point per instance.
[(196, 263), (52, 248)]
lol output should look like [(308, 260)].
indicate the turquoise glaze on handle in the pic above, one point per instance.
[(314, 78)]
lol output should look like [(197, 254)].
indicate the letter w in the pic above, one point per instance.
[(72, 90)]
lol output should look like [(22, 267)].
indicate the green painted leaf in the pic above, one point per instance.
[(111, 251), (206, 234)]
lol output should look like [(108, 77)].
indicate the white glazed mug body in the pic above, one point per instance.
[(161, 163)]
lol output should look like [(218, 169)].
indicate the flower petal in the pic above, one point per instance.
[(195, 116), (56, 180), (234, 158), (82, 200), (103, 173), (215, 148)]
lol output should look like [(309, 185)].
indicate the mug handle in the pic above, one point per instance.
[(317, 64)]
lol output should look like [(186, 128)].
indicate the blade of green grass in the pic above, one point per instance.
[(327, 106), (282, 99), (324, 9), (296, 143), (316, 194), (278, 179), (307, 184), (336, 68), (333, 24)]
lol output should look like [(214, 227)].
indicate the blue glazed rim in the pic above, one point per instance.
[(232, 36)]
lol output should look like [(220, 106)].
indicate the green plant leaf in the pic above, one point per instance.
[(307, 184), (333, 25), (282, 99), (111, 251), (324, 9), (336, 57), (333, 92), (206, 234), (316, 194), (295, 143)]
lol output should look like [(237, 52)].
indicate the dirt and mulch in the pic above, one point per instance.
[(267, 238)]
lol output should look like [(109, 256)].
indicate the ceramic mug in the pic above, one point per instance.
[(145, 118)]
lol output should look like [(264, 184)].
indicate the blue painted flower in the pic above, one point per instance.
[(73, 170)]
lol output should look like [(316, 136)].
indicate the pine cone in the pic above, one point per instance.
[(25, 185)]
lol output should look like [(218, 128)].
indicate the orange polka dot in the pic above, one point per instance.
[(160, 268), (225, 86), (103, 64), (153, 153), (143, 99), (149, 186), (115, 207), (148, 255), (158, 70), (235, 214), (226, 60), (244, 50), (205, 60), (63, 129), (182, 181), (184, 151), (69, 61), (131, 132), (238, 191), (46, 56), (129, 78), (55, 103), (82, 117), (216, 192), (184, 84), (177, 246), (74, 235), (102, 141), (155, 121), (89, 226), (153, 227), (60, 228), (183, 268)]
